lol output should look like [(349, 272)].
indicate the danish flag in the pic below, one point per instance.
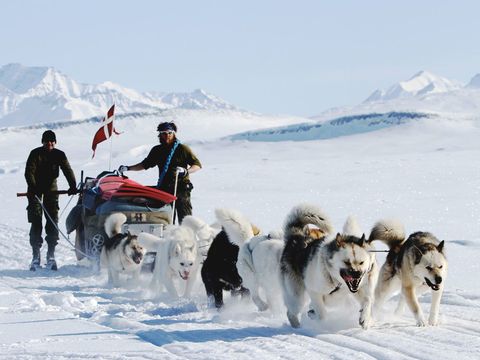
[(106, 130)]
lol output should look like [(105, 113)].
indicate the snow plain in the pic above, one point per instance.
[(427, 174)]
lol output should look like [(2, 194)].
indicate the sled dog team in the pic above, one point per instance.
[(306, 261)]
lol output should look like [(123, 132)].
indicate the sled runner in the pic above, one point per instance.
[(147, 210)]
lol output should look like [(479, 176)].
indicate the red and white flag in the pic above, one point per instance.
[(106, 130)]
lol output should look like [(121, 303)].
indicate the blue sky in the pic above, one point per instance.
[(282, 57)]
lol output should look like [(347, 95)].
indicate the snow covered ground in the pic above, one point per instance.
[(426, 174)]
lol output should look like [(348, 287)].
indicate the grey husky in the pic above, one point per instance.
[(413, 265), (322, 266)]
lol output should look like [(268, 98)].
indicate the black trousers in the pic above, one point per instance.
[(183, 206), (35, 214)]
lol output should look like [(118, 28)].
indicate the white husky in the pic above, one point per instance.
[(121, 253), (259, 266), (176, 258)]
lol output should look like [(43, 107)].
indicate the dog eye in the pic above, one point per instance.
[(441, 266), (361, 263), (191, 264), (429, 268), (182, 263)]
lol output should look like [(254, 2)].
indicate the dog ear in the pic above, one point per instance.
[(177, 250), (339, 240), (361, 243), (440, 246), (255, 229)]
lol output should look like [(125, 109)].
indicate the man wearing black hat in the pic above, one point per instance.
[(41, 172), (172, 158)]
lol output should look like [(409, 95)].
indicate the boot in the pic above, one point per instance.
[(35, 264), (51, 263)]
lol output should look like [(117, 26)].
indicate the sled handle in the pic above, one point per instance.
[(58, 192)]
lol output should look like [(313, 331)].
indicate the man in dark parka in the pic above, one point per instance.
[(41, 173)]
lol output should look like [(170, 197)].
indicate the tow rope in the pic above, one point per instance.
[(60, 231)]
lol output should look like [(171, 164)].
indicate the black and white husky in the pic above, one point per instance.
[(121, 252), (413, 265), (323, 266)]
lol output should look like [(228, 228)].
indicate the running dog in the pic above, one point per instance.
[(121, 253), (413, 265), (322, 267), (219, 271), (258, 265), (176, 259)]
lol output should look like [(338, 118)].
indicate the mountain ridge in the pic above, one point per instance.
[(27, 93)]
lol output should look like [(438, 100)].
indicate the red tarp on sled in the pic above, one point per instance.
[(117, 186)]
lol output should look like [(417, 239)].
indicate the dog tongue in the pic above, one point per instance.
[(348, 278)]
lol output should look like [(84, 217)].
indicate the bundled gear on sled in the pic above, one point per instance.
[(147, 210)]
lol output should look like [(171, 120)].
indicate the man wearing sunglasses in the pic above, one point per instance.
[(172, 158)]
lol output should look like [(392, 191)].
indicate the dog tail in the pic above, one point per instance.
[(149, 241), (351, 227), (306, 214), (237, 227), (245, 265), (113, 224), (203, 230), (389, 231)]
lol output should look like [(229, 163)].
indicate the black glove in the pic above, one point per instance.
[(123, 168), (182, 172), (72, 191)]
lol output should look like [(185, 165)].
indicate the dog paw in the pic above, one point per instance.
[(421, 323), (433, 321), (366, 323), (293, 319)]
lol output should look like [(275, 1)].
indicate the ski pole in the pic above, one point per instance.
[(174, 194)]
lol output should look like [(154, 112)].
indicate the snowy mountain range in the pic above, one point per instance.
[(43, 96), (422, 83), (422, 93), (30, 95)]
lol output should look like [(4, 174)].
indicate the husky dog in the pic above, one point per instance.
[(205, 234), (259, 267), (121, 253), (412, 265), (219, 271), (176, 258), (321, 267)]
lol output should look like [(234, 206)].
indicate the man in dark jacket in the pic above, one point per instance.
[(171, 157), (41, 173)]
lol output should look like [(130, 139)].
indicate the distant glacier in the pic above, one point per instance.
[(343, 126)]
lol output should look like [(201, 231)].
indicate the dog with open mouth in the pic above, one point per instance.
[(177, 259), (321, 267), (415, 264), (121, 253)]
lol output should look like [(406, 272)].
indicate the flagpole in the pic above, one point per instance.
[(111, 146), (110, 156)]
